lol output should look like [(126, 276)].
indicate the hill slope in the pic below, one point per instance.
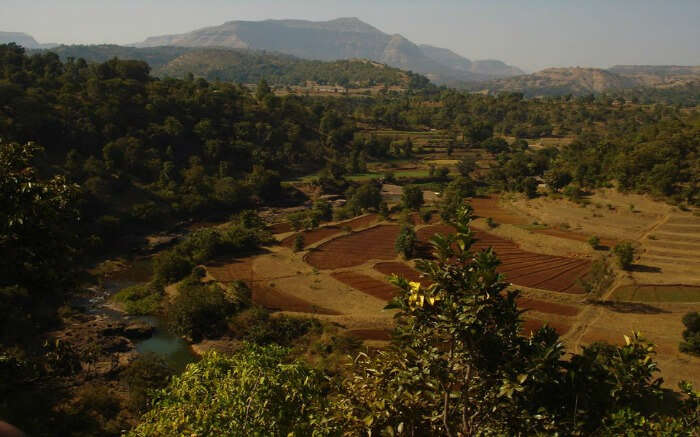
[(343, 38), (247, 66)]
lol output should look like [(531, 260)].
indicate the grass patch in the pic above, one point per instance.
[(657, 293)]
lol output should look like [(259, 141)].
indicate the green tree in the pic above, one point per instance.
[(412, 197), (406, 242), (691, 334), (625, 254), (466, 165), (253, 392), (299, 243), (454, 197)]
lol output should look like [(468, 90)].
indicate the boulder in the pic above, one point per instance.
[(138, 331)]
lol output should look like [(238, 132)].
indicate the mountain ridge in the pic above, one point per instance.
[(342, 38)]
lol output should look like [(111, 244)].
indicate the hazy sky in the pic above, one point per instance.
[(531, 34)]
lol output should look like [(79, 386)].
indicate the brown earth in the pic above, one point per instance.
[(524, 268), (374, 287), (313, 236), (356, 249)]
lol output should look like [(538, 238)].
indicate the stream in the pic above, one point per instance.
[(173, 349)]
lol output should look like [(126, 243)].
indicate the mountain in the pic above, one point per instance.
[(247, 66), (487, 69), (342, 38), (22, 39)]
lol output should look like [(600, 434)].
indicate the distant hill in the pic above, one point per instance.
[(659, 75), (22, 39), (581, 81), (343, 38), (247, 66)]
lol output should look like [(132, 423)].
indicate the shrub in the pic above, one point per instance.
[(200, 310), (406, 242), (594, 241), (625, 254), (691, 334), (599, 279), (296, 219), (426, 215), (454, 197), (299, 243), (256, 326), (491, 223), (170, 266), (141, 299), (146, 373)]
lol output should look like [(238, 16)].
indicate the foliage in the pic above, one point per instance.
[(466, 165), (406, 242), (366, 196), (454, 197), (141, 299), (201, 310), (253, 392), (412, 197), (148, 372), (599, 279), (299, 243), (691, 334), (594, 241), (625, 254), (255, 325)]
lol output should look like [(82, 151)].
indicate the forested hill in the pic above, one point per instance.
[(248, 66)]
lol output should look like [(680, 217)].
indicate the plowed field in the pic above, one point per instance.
[(524, 268), (356, 249), (366, 284)]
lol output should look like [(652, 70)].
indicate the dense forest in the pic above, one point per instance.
[(93, 152)]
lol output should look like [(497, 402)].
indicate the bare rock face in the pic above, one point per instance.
[(117, 344)]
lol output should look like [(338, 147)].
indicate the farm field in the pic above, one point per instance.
[(342, 277)]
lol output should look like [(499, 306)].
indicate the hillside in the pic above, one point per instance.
[(247, 66), (343, 38), (660, 75)]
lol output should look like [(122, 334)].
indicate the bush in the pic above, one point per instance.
[(406, 242), (625, 255), (141, 299), (146, 373), (412, 197), (296, 219), (454, 196), (599, 279), (594, 241), (491, 223), (426, 215), (299, 243), (256, 326), (201, 310), (691, 334), (366, 196)]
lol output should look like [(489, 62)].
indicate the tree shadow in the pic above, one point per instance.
[(641, 268), (630, 307)]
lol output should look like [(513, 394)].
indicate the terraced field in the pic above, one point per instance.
[(527, 269), (671, 252), (356, 249)]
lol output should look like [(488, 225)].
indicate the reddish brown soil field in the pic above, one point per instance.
[(532, 325), (355, 249), (361, 222), (401, 269), (237, 270), (488, 207), (366, 284), (524, 268), (280, 228), (371, 334), (277, 300), (313, 236), (548, 307)]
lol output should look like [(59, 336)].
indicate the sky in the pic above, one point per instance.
[(530, 34)]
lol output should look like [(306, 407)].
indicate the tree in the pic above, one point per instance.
[(262, 90), (455, 196), (594, 241), (691, 334), (625, 254), (366, 196), (466, 165), (299, 243), (256, 391), (412, 197), (406, 241)]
